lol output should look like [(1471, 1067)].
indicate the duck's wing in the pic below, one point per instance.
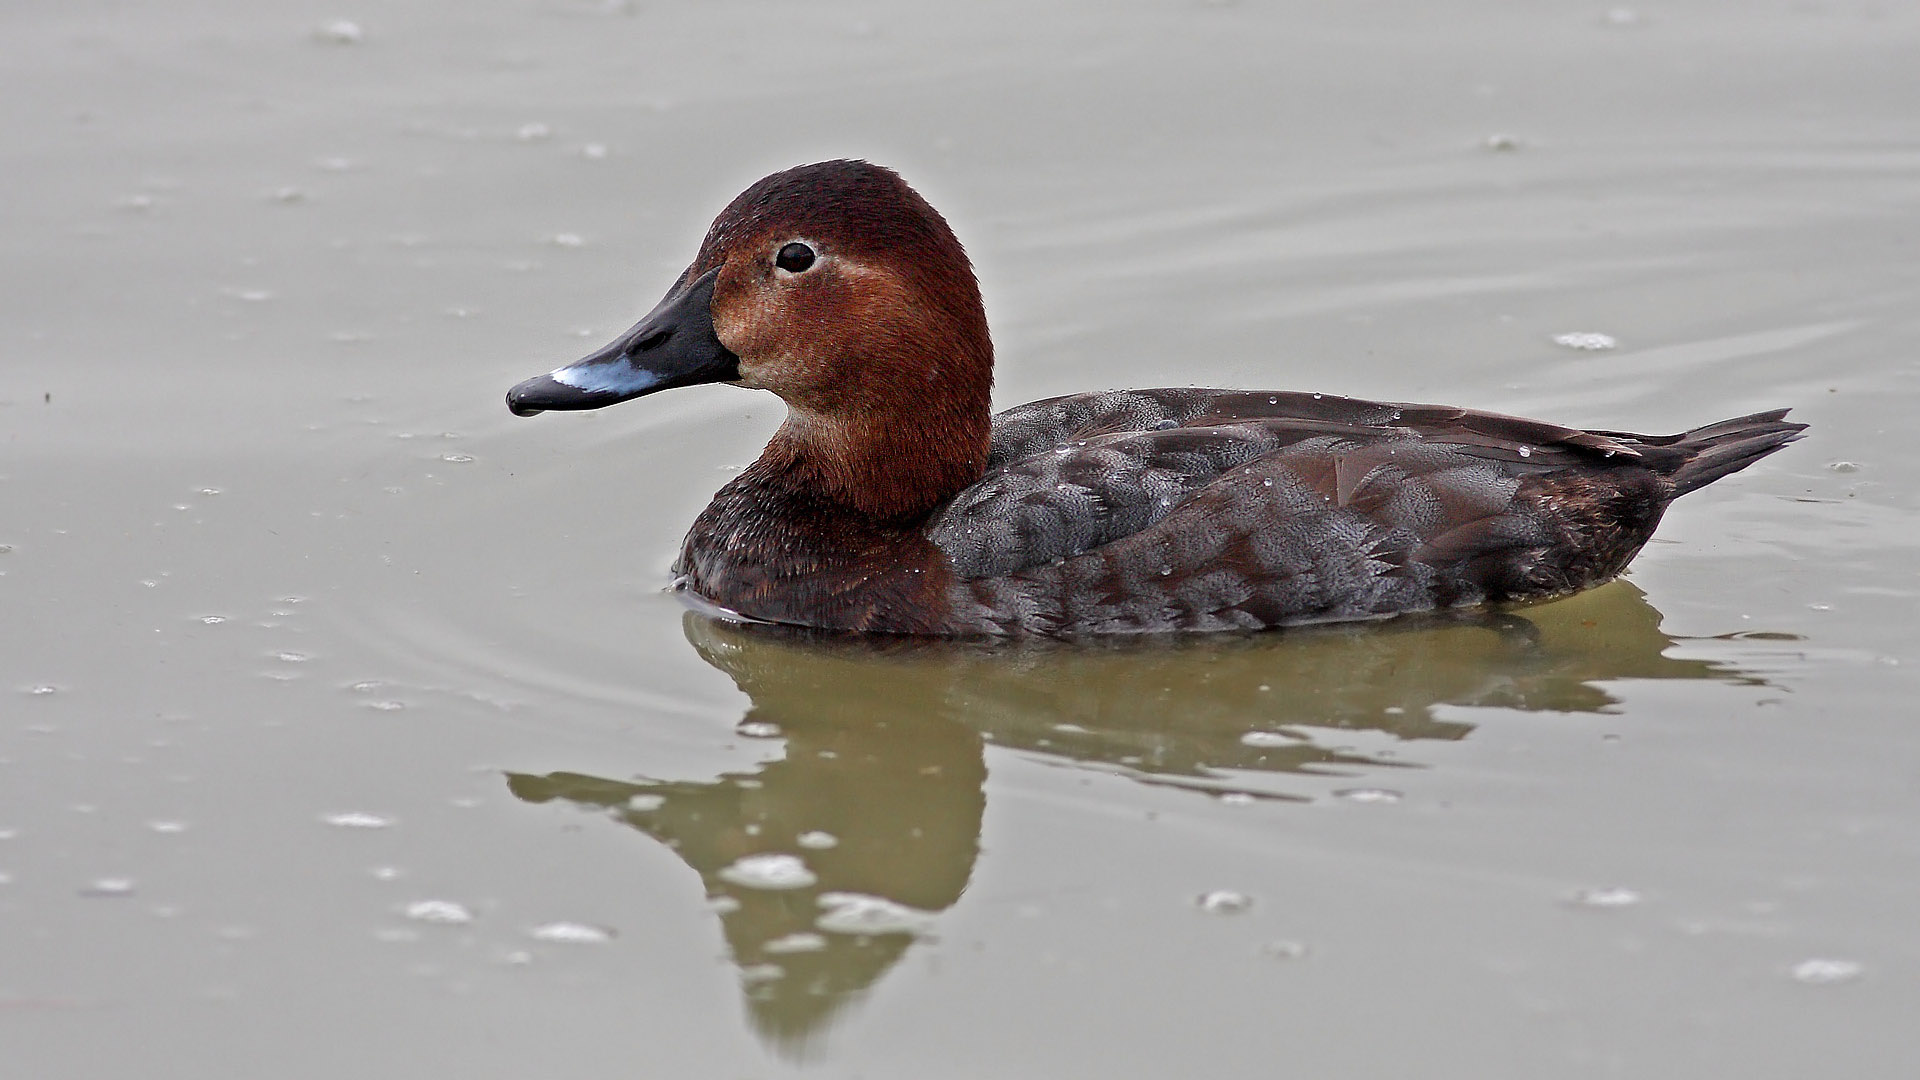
[(1069, 475)]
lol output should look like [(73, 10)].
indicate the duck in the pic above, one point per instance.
[(893, 500)]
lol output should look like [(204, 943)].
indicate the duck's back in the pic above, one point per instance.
[(1191, 509)]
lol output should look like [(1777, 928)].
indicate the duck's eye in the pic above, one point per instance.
[(794, 258)]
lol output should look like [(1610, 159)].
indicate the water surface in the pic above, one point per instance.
[(348, 730)]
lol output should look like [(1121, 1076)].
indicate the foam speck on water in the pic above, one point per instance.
[(1586, 340), (1609, 897), (644, 803), (356, 819), (817, 840), (859, 913), (341, 32), (443, 912), (1823, 972), (571, 933), (770, 871), (1223, 902), (111, 888), (758, 729), (796, 943), (1368, 795), (1265, 740)]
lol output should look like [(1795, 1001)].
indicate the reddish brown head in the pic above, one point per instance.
[(837, 287)]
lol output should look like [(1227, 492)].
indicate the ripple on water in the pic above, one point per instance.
[(769, 871), (860, 913)]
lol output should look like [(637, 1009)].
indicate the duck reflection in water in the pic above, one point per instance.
[(885, 754)]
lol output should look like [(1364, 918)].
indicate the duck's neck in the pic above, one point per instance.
[(893, 462)]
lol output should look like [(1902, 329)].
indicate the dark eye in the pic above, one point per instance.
[(794, 258)]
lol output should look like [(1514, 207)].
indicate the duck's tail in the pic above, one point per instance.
[(1717, 450)]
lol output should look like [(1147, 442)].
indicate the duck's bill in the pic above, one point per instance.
[(673, 346)]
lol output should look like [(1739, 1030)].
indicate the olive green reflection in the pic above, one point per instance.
[(884, 749)]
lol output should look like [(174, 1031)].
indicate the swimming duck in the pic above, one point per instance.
[(893, 500)]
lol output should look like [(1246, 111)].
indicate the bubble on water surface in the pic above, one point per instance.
[(167, 828), (817, 840), (1283, 950), (1822, 972), (796, 943), (770, 871), (292, 657), (357, 819), (341, 32), (1585, 340), (645, 803), (754, 974), (571, 933), (1223, 902), (1613, 896), (1845, 467), (566, 240), (1368, 795), (384, 706), (443, 912), (758, 729), (1237, 798), (213, 620), (108, 888), (43, 689), (860, 913), (1267, 740)]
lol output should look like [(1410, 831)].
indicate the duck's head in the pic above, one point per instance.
[(837, 287)]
